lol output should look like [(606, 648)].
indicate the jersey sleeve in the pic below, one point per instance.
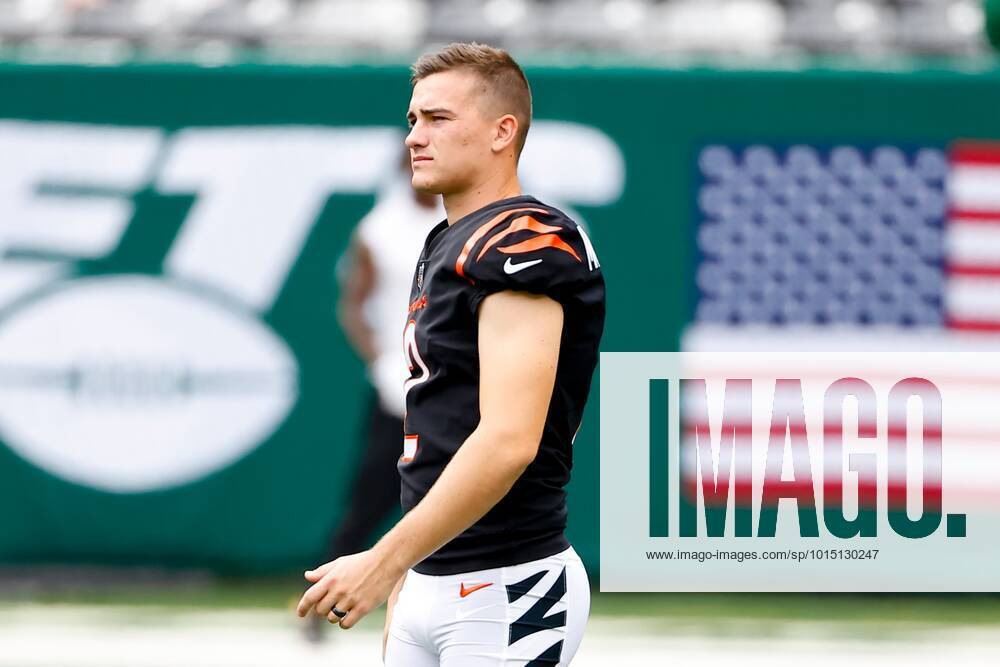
[(540, 252)]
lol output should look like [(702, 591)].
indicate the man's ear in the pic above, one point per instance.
[(505, 133)]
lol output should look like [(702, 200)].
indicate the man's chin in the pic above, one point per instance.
[(426, 185)]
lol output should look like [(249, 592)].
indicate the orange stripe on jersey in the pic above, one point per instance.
[(538, 242), (482, 231), (520, 224)]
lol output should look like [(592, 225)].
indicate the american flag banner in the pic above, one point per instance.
[(973, 237), (804, 236), (858, 248)]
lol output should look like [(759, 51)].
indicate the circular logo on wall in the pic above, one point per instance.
[(131, 383)]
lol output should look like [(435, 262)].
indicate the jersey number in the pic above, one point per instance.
[(413, 360)]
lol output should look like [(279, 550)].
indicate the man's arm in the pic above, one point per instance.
[(519, 337), (356, 284)]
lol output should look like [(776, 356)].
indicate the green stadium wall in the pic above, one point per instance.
[(270, 506)]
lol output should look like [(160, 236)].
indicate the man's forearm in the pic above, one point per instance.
[(356, 286), (478, 476), (359, 335)]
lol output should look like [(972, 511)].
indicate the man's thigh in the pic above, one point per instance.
[(529, 615), (408, 644), (401, 653)]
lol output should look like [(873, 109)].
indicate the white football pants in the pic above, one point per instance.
[(525, 615)]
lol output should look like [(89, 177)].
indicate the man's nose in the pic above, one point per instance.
[(416, 137)]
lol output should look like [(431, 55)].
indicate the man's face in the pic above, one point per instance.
[(450, 136)]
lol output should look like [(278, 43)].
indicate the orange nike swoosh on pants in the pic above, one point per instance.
[(463, 591)]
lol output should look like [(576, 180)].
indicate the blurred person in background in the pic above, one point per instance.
[(506, 315), (375, 277)]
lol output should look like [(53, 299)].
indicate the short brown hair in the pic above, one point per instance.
[(503, 76)]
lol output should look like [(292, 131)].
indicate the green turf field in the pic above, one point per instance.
[(203, 620), (279, 593)]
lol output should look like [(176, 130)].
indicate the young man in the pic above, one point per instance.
[(506, 314)]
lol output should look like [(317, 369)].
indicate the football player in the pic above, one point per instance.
[(506, 314)]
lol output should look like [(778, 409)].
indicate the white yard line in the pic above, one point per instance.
[(81, 636)]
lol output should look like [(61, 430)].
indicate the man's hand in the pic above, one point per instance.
[(355, 584)]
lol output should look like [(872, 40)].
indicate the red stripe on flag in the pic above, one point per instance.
[(896, 491), (991, 326), (833, 428), (974, 270), (894, 433), (986, 216), (970, 152)]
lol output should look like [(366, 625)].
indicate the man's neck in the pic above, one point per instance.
[(460, 204)]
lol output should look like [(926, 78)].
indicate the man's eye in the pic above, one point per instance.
[(439, 118)]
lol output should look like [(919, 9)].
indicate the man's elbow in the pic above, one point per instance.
[(518, 448), (526, 452), (348, 312)]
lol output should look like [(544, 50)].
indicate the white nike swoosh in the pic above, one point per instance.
[(510, 267)]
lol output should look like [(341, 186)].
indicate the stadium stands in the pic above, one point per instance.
[(754, 27)]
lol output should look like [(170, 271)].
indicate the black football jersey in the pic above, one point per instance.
[(512, 244)]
